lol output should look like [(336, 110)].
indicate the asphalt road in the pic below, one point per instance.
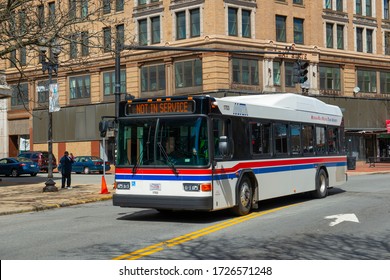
[(352, 223)]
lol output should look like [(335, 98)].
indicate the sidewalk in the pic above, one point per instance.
[(29, 197)]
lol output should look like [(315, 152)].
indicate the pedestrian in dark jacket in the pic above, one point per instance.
[(66, 168)]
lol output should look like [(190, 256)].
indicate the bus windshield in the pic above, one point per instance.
[(158, 141)]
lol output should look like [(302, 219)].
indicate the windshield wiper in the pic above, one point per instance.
[(170, 163), (138, 161)]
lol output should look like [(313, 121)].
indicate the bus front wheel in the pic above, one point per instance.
[(322, 184), (244, 199)]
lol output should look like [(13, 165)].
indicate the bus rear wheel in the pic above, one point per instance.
[(322, 184), (245, 197)]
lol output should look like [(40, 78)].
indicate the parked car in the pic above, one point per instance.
[(15, 166), (87, 165), (41, 158)]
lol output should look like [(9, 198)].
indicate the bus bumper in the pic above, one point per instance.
[(163, 202)]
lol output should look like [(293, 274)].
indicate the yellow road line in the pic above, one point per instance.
[(150, 250)]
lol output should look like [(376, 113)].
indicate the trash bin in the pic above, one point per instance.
[(351, 163)]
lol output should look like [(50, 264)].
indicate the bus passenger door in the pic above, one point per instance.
[(224, 179)]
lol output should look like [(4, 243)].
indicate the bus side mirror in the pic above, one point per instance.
[(103, 126), (223, 146)]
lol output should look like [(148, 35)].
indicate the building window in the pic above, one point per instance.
[(387, 43), (385, 82), (367, 80), (152, 78), (368, 8), (232, 18), (41, 15), (107, 39), (298, 2), (149, 30), (330, 36), (188, 73), (80, 87), (330, 78), (339, 5), (84, 8), (365, 40), (155, 22), (23, 56), (340, 36), (386, 10), (143, 32), (358, 7), (84, 43), (277, 73), (52, 12), (188, 23), (245, 71), (246, 23), (369, 40), (109, 82), (298, 31), (120, 36), (180, 25), (12, 58), (238, 17), (280, 28), (73, 52), (119, 5), (19, 95), (195, 23), (359, 39), (72, 9), (106, 7)]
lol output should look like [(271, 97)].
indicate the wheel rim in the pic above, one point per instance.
[(245, 195), (86, 170), (322, 183), (14, 173)]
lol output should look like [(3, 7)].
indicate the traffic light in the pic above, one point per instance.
[(300, 71)]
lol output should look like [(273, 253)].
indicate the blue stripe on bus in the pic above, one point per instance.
[(232, 175)]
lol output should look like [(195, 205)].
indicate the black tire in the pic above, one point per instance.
[(33, 174), (244, 198), (322, 184), (14, 173)]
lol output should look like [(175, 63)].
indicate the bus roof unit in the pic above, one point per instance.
[(281, 106)]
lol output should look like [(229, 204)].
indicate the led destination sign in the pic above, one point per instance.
[(161, 107)]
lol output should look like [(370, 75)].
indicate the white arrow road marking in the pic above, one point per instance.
[(339, 218)]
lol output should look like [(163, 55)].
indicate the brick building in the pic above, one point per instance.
[(346, 43)]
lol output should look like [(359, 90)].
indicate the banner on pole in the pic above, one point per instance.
[(54, 100)]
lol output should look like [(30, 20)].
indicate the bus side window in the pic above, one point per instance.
[(222, 127), (295, 136), (280, 138), (320, 140), (333, 136), (307, 139), (261, 138)]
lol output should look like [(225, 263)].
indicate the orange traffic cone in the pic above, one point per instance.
[(104, 186)]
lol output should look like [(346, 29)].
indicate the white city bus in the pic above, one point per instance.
[(205, 153)]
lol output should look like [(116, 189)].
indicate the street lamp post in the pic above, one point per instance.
[(50, 65)]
